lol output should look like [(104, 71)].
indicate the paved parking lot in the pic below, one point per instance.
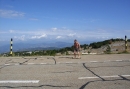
[(63, 72)]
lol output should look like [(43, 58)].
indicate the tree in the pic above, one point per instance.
[(108, 50), (85, 46), (67, 53), (53, 53)]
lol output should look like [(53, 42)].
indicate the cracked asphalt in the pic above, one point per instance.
[(62, 72)]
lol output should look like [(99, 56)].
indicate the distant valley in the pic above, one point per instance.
[(34, 46)]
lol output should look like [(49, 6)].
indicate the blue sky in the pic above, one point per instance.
[(64, 20)]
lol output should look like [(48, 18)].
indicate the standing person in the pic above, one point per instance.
[(76, 48)]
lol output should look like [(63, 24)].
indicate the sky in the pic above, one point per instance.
[(63, 20)]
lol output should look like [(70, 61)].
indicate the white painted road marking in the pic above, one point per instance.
[(125, 75), (16, 64), (118, 60), (19, 81), (7, 64), (31, 63), (69, 62), (113, 76), (93, 61), (43, 63)]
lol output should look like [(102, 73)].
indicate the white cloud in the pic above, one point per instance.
[(64, 34), (23, 37), (44, 35), (72, 35), (54, 29), (11, 31), (58, 37), (11, 13), (38, 37)]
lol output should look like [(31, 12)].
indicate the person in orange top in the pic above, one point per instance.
[(76, 48)]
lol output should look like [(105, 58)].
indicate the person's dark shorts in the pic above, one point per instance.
[(76, 49)]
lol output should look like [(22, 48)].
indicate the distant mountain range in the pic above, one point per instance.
[(34, 46), (39, 45)]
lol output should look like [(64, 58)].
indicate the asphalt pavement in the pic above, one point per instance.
[(62, 72)]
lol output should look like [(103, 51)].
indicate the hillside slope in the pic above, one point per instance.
[(115, 47)]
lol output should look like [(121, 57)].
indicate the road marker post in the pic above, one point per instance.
[(125, 43), (11, 47)]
